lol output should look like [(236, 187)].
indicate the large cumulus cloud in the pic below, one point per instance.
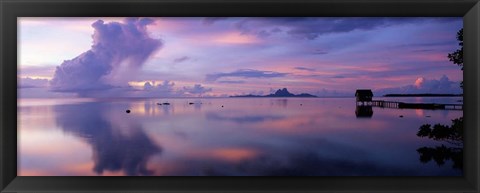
[(423, 85), (118, 50), (197, 89), (167, 89)]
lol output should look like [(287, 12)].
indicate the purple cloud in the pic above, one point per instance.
[(332, 93), (118, 50), (305, 68), (197, 89), (148, 86), (212, 20), (181, 59), (311, 28), (166, 89), (422, 85), (319, 52), (45, 71), (231, 81), (246, 73), (166, 86), (344, 54), (32, 82)]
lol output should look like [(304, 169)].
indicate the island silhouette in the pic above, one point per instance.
[(422, 95), (279, 93)]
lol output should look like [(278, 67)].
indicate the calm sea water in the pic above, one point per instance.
[(245, 137)]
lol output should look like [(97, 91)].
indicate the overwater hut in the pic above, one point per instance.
[(364, 95)]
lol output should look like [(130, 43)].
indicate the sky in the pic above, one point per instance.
[(218, 57)]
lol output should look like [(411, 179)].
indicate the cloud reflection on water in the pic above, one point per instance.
[(245, 138), (112, 149)]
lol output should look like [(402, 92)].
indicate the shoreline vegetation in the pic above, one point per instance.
[(423, 95)]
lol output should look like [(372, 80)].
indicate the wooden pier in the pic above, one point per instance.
[(454, 106), (364, 99), (386, 104), (402, 105)]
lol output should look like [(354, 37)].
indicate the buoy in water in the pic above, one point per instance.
[(128, 111)]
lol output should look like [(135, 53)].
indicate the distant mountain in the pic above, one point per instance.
[(279, 93)]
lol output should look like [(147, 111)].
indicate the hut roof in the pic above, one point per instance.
[(364, 92)]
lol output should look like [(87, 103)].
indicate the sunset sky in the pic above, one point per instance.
[(214, 57)]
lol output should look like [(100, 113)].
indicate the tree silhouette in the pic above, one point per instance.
[(457, 56), (451, 134), (441, 153)]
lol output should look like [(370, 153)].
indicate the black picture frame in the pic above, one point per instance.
[(11, 9)]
